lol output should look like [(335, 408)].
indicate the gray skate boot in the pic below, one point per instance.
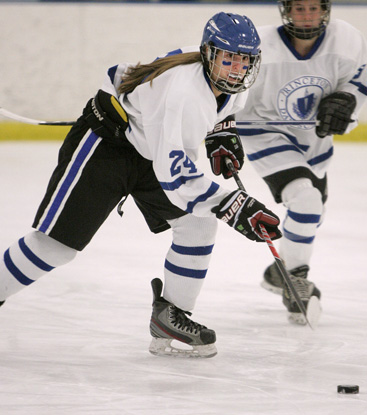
[(170, 324), (273, 280), (308, 293)]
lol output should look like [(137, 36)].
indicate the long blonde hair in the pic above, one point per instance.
[(139, 74)]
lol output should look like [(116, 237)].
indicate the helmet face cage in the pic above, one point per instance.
[(230, 51), (285, 7), (236, 80)]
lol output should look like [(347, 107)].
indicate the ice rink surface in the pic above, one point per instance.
[(76, 342)]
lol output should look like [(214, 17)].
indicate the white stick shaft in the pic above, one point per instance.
[(11, 115), (263, 122)]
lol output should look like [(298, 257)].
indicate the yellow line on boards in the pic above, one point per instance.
[(13, 131)]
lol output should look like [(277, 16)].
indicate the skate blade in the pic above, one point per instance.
[(164, 347), (271, 288), (313, 314)]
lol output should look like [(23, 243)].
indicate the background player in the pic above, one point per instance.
[(140, 135), (311, 69)]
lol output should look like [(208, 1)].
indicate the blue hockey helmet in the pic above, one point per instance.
[(237, 35)]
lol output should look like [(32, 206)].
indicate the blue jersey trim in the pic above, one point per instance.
[(300, 148), (280, 149), (202, 198), (171, 53), (174, 52), (171, 186), (269, 151), (252, 131), (112, 72), (259, 131), (361, 88), (185, 272), (322, 157), (288, 43)]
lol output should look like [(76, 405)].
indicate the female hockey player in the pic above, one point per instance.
[(140, 135), (311, 70)]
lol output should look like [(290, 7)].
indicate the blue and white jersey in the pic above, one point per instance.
[(168, 121), (290, 87)]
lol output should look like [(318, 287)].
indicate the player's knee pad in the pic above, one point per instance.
[(302, 197), (49, 250), (304, 211), (192, 230)]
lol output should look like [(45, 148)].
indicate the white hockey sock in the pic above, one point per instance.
[(305, 209), (188, 259), (28, 259)]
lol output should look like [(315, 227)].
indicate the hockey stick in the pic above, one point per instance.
[(11, 115), (283, 271), (263, 122)]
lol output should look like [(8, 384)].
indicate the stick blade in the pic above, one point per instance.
[(8, 114), (314, 311), (312, 315)]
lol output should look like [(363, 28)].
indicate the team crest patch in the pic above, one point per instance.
[(298, 100)]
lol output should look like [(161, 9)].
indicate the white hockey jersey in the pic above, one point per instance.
[(290, 87), (168, 122)]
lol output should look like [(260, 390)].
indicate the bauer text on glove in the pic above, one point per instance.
[(223, 142), (244, 213)]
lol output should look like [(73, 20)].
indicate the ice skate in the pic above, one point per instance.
[(1, 303), (309, 294), (273, 280), (174, 334)]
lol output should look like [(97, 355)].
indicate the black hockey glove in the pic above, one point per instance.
[(105, 116), (334, 113), (223, 142), (244, 213)]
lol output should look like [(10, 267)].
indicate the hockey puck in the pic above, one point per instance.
[(348, 389)]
